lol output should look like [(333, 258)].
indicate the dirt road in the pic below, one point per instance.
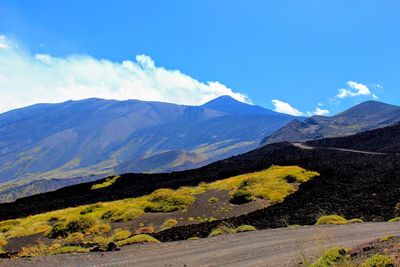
[(275, 247), (304, 146)]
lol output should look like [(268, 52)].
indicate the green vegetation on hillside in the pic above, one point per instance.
[(270, 184), (89, 225), (106, 183), (336, 219), (341, 257), (333, 257)]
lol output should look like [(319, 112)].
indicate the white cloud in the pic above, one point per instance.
[(354, 89), (27, 79), (377, 85), (319, 111), (284, 107), (4, 44), (322, 112)]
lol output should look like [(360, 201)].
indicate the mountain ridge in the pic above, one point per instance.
[(362, 117)]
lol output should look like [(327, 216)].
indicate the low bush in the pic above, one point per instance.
[(213, 200), (7, 225), (74, 239), (222, 230), (271, 184), (121, 214), (378, 261), (331, 219), (216, 232), (106, 183), (167, 200), (78, 224), (99, 229), (41, 249), (397, 219), (102, 241), (121, 234), (333, 257), (3, 241), (69, 249), (386, 238), (336, 219), (355, 221), (169, 224), (91, 208), (142, 238), (211, 219), (245, 228)]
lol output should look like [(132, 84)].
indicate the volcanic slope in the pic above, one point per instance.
[(352, 184), (103, 137)]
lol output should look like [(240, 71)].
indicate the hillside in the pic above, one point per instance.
[(365, 116), (102, 137), (273, 186), (348, 176)]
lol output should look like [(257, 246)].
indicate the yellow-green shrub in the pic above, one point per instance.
[(378, 260), (169, 223), (167, 200), (331, 219), (3, 241), (336, 219), (99, 229), (397, 219), (69, 249), (74, 239), (270, 184), (122, 214), (121, 234), (40, 249), (142, 238), (106, 183), (333, 257), (78, 224), (222, 230), (213, 200), (102, 241), (91, 208), (245, 228)]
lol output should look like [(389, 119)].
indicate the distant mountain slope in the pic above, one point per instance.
[(365, 116), (382, 140), (101, 137)]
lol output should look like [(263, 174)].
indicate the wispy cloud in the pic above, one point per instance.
[(26, 79), (284, 107), (354, 89), (319, 111), (4, 43)]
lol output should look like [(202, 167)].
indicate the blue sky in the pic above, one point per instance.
[(281, 54)]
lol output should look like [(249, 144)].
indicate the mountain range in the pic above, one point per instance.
[(48, 146), (44, 146), (365, 116)]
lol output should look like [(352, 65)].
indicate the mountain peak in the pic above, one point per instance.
[(232, 106), (223, 100), (368, 108)]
